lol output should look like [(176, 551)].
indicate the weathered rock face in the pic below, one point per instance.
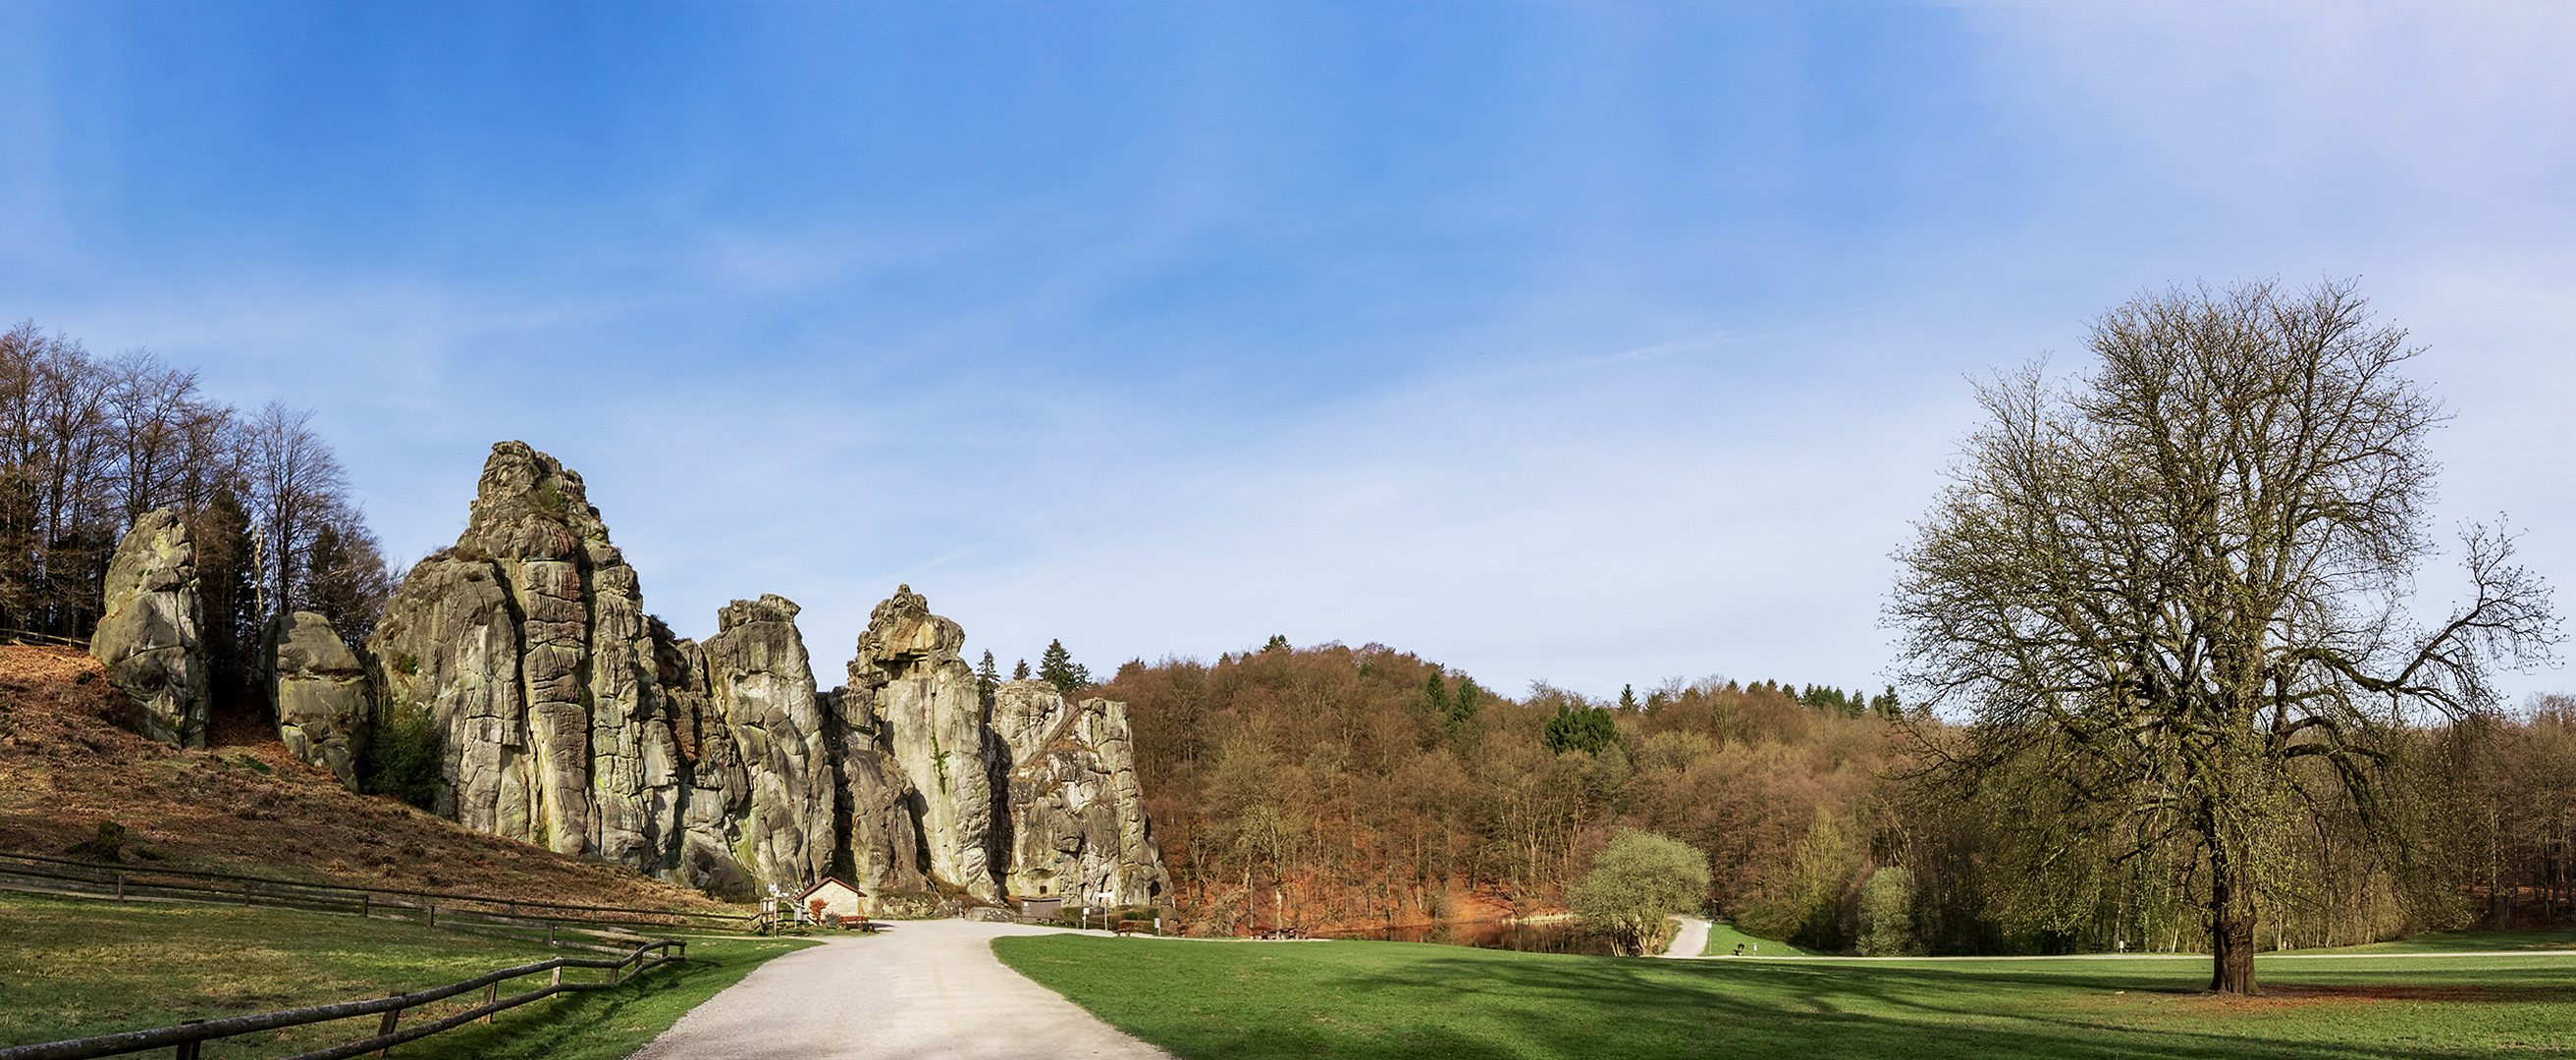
[(321, 693), (570, 718), (929, 715), (760, 684), (148, 635), (525, 644), (1077, 818), (881, 845), (699, 784)]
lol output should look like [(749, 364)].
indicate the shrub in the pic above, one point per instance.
[(1638, 881), (403, 760)]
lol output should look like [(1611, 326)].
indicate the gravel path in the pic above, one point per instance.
[(920, 990), (1692, 938)]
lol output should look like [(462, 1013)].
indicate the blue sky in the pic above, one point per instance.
[(1590, 343)]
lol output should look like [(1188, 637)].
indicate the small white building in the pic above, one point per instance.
[(835, 898)]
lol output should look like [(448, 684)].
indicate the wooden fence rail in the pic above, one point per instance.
[(187, 1037)]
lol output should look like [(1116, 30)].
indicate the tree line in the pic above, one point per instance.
[(1350, 787), (88, 443)]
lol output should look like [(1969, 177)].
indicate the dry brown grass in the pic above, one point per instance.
[(243, 805)]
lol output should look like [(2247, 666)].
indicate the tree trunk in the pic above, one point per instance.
[(2231, 926)]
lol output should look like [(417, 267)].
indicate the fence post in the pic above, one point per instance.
[(433, 914), (387, 1027), (188, 1050), (491, 993), (558, 981), (366, 905), (120, 886), (245, 894)]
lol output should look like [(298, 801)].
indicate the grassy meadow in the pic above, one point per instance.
[(1394, 1000), (74, 968)]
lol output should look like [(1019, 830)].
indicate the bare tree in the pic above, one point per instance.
[(2176, 583), (346, 578), (296, 490), (169, 446)]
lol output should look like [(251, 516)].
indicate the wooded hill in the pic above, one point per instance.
[(1339, 786)]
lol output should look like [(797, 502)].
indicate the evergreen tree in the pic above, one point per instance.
[(226, 581), (1056, 667), (1585, 729), (1435, 695), (1278, 642), (987, 678), (1627, 697), (1021, 671), (1463, 705)]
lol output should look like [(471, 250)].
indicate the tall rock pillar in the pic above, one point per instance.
[(760, 683), (148, 635), (930, 716), (527, 647)]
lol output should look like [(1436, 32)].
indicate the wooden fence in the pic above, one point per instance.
[(186, 1038), (550, 922)]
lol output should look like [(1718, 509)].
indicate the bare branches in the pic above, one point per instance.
[(2191, 566)]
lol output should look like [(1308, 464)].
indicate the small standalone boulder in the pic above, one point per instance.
[(148, 636), (321, 691)]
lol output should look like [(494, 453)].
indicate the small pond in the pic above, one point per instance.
[(1548, 936)]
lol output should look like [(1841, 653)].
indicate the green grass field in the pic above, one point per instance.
[(1367, 999), (72, 968)]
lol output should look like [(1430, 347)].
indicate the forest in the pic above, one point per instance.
[(1350, 787)]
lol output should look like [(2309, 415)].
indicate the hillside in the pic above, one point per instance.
[(244, 805)]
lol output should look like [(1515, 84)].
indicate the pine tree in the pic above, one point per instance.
[(1056, 667), (1462, 705), (987, 678), (1278, 642), (1627, 697), (1585, 729), (1021, 671)]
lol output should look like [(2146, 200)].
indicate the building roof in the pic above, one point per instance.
[(826, 881)]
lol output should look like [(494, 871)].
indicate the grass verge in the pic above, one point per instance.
[(72, 968), (1393, 1000), (1723, 939)]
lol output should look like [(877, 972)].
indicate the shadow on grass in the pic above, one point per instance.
[(1251, 1001)]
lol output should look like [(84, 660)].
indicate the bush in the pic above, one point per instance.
[(1638, 881), (403, 760)]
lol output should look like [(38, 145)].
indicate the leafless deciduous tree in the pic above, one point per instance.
[(2178, 582), (296, 490)]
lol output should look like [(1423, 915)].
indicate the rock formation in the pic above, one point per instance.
[(570, 718), (762, 687), (148, 635), (320, 690), (525, 644), (929, 714), (1077, 818)]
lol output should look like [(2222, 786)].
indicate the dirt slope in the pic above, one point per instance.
[(243, 805)]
